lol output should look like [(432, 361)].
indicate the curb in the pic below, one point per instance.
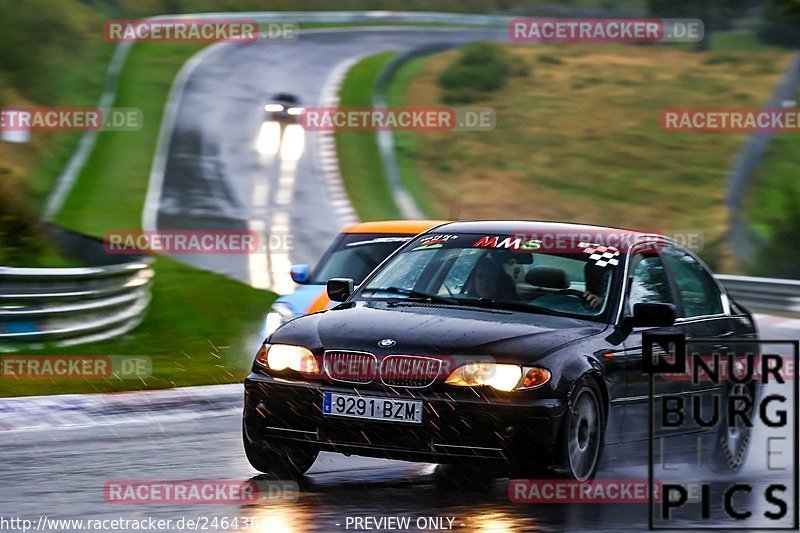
[(326, 148), (68, 411)]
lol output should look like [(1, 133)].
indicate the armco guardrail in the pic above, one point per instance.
[(764, 293), (67, 306)]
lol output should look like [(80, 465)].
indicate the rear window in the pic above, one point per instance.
[(355, 255)]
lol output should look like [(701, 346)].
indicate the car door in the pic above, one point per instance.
[(648, 282), (704, 314)]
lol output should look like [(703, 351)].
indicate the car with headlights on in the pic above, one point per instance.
[(284, 108), (515, 345), (355, 252)]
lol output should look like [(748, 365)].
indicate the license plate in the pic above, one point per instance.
[(408, 411)]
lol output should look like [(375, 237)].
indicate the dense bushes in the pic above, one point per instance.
[(44, 46), (781, 24), (480, 68), (20, 234)]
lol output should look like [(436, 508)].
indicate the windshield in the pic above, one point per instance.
[(499, 271), (355, 255)]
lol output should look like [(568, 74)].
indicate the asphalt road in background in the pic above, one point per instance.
[(61, 473), (215, 178)]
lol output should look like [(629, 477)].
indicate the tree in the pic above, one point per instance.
[(781, 23)]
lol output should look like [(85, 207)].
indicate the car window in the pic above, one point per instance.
[(463, 262), (471, 268), (649, 282), (698, 292), (355, 256)]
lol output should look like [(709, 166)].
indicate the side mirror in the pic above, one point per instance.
[(299, 273), (340, 289), (655, 315)]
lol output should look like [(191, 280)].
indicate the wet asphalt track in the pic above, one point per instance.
[(215, 178), (61, 473)]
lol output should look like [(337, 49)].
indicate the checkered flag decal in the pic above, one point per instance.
[(601, 255)]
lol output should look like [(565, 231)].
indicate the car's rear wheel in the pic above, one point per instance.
[(291, 460), (583, 431)]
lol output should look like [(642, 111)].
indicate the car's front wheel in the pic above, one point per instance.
[(733, 440), (280, 460), (584, 424)]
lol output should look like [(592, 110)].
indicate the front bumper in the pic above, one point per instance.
[(455, 427)]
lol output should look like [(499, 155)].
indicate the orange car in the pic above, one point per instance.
[(357, 250)]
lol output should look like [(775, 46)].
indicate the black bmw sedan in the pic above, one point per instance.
[(516, 344)]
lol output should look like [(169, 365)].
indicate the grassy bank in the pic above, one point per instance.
[(110, 190), (772, 207), (200, 327), (580, 139), (405, 142), (360, 162), (771, 201), (39, 43)]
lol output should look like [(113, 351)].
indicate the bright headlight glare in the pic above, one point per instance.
[(278, 315), (296, 111), (273, 108), (286, 356), (498, 376)]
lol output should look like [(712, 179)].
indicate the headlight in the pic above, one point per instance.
[(498, 376), (287, 357), (279, 314), (273, 108)]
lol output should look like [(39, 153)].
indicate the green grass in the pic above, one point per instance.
[(121, 161), (80, 86), (360, 162), (579, 139), (773, 184), (405, 142), (771, 205), (731, 41), (742, 41)]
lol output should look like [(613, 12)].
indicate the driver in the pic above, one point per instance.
[(596, 283), (489, 280)]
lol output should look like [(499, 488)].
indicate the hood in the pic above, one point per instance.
[(429, 329)]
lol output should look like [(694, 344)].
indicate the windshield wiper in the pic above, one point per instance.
[(411, 293), (510, 305)]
